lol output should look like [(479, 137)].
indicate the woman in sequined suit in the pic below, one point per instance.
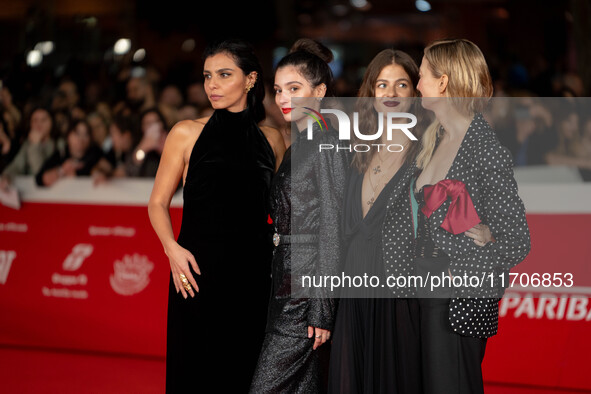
[(223, 251), (306, 196)]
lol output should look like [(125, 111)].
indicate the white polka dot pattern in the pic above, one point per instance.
[(485, 166)]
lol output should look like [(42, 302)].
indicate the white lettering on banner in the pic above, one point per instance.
[(75, 259), (117, 231), (132, 274), (64, 293), (6, 259), (14, 227), (69, 280), (546, 306)]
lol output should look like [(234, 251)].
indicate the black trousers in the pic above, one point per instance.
[(451, 363)]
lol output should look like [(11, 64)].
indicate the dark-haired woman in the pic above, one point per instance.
[(123, 136), (375, 344), (77, 159), (306, 198), (146, 155), (219, 280), (39, 146)]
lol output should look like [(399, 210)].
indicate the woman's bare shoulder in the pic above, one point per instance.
[(188, 128), (185, 133)]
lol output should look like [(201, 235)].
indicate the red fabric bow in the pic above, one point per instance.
[(461, 215)]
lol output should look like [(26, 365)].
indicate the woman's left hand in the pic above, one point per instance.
[(480, 234), (320, 336)]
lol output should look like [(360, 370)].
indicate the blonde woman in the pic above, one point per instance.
[(461, 160)]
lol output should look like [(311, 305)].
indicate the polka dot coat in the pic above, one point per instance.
[(485, 167)]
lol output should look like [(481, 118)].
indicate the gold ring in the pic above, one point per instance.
[(187, 287)]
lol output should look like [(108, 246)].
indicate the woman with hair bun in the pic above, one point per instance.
[(219, 281), (306, 196)]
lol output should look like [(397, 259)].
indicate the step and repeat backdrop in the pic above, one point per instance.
[(81, 269)]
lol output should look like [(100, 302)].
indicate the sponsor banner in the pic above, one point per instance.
[(85, 277), (543, 337)]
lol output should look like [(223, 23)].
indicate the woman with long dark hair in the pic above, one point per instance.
[(39, 146), (306, 198), (376, 335), (219, 282)]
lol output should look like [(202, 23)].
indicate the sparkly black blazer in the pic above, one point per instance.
[(486, 168)]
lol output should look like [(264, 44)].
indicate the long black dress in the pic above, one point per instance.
[(306, 200), (451, 363), (214, 339), (375, 345)]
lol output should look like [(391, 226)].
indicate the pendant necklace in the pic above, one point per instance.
[(377, 169)]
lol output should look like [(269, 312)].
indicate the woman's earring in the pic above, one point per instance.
[(248, 88)]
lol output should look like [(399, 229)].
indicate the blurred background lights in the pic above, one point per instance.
[(423, 5), (138, 72), (359, 3), (139, 55), (122, 46), (34, 58), (45, 47), (188, 45)]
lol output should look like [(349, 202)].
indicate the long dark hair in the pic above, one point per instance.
[(243, 54), (311, 59), (161, 117), (367, 113)]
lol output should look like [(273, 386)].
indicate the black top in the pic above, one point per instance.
[(363, 235), (227, 185), (91, 157), (424, 245)]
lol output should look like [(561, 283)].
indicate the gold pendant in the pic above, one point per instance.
[(377, 169), (371, 201)]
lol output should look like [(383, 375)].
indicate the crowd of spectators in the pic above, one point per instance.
[(71, 128)]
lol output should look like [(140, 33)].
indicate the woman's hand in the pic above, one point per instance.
[(70, 166), (179, 259), (50, 176), (4, 182), (4, 142), (321, 335), (99, 178), (35, 136), (480, 234)]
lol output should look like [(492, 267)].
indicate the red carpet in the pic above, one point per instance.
[(38, 371), (35, 371)]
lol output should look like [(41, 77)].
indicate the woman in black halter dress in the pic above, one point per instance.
[(220, 263)]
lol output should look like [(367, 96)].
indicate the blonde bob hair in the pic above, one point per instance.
[(469, 81)]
